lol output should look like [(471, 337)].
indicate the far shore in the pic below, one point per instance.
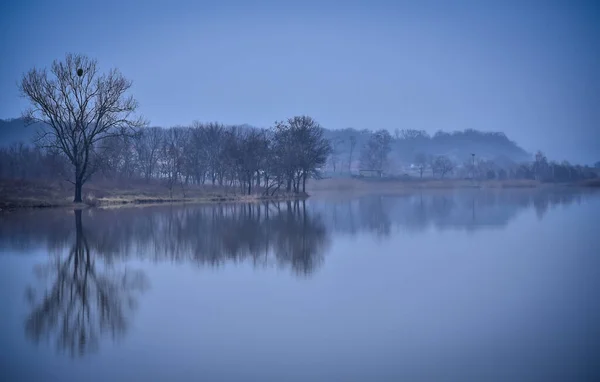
[(21, 194), (412, 184)]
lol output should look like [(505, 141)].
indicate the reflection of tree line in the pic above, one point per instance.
[(86, 296), (275, 233), (461, 209), (284, 234)]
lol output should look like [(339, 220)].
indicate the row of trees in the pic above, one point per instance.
[(89, 124), (375, 156), (88, 119), (405, 144), (376, 150), (277, 159), (20, 161), (540, 169), (280, 158)]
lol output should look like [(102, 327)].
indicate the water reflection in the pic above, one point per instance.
[(288, 234), (271, 234), (471, 210), (90, 292), (84, 299), (295, 235)]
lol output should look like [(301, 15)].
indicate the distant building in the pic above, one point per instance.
[(370, 173)]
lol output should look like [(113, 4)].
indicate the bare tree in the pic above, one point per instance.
[(249, 148), (375, 152), (313, 148), (214, 138), (172, 157), (540, 166), (443, 165), (421, 163), (79, 108), (301, 148), (335, 152), (147, 150), (115, 157), (352, 141), (486, 169)]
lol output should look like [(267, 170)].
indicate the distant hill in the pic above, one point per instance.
[(458, 145), (15, 131)]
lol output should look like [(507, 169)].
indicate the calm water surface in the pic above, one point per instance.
[(449, 286)]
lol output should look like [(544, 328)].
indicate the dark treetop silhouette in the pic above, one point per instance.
[(79, 111)]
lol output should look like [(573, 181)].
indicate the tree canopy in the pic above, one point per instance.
[(79, 108)]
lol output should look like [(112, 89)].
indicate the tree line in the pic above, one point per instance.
[(405, 144), (90, 129), (270, 160), (379, 145), (258, 160), (279, 159), (89, 120)]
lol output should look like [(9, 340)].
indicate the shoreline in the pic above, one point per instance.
[(411, 185), (115, 197), (139, 201)]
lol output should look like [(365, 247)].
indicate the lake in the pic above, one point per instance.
[(472, 285)]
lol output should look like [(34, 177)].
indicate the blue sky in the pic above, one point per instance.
[(528, 68)]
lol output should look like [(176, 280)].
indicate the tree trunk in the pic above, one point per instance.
[(304, 182), (350, 162), (78, 225), (78, 186)]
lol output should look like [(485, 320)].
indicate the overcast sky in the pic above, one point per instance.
[(528, 68)]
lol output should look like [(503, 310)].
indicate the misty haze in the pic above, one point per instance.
[(300, 191)]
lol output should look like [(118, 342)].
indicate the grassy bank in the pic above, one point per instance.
[(17, 194)]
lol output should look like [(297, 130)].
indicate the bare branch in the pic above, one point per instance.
[(79, 111)]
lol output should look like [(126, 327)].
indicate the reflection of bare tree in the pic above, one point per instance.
[(84, 300)]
